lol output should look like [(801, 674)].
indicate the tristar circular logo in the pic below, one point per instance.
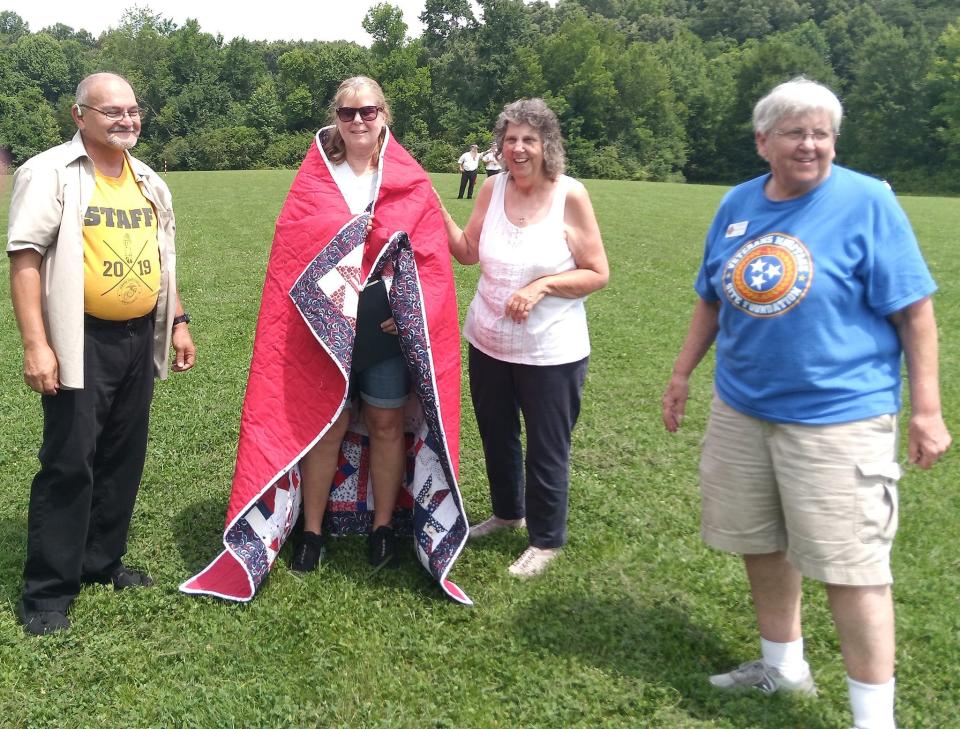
[(769, 275)]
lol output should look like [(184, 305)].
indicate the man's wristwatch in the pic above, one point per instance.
[(184, 318)]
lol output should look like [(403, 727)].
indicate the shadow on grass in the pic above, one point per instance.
[(660, 646), (13, 550), (198, 533), (347, 559)]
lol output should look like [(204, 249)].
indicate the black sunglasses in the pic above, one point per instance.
[(349, 113)]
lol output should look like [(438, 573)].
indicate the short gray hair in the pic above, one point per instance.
[(538, 115), (796, 97), (83, 88)]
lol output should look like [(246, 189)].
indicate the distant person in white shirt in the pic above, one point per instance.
[(491, 163), (468, 163)]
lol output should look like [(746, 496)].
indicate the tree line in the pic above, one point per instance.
[(644, 89)]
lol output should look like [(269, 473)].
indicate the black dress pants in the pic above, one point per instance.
[(91, 461), (549, 398), (465, 179)]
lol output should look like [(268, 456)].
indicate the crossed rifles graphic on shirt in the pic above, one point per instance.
[(129, 266)]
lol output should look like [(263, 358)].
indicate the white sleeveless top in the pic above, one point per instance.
[(555, 332)]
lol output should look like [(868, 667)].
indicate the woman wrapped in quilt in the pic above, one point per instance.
[(360, 116)]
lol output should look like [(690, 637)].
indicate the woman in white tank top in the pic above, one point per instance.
[(536, 238)]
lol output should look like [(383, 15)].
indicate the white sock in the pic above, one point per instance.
[(785, 657), (872, 704)]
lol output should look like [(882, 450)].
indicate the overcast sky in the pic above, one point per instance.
[(272, 20)]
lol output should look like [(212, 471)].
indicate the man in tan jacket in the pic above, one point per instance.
[(93, 283)]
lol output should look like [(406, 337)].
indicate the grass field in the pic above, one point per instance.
[(621, 632)]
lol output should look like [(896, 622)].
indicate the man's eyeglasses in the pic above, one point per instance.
[(118, 114), (819, 136), (349, 113)]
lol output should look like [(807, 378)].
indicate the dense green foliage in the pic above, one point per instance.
[(620, 632), (645, 89)]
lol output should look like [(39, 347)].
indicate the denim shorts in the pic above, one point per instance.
[(384, 384)]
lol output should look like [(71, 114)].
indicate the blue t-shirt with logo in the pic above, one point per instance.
[(806, 287)]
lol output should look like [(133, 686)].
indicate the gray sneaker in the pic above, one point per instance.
[(495, 524), (766, 679)]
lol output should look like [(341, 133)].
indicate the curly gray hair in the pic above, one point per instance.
[(538, 115)]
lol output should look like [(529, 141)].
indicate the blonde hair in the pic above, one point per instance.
[(333, 145)]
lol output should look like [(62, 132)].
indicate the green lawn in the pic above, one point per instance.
[(621, 632)]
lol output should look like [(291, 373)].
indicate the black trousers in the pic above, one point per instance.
[(91, 461), (467, 177), (549, 398)]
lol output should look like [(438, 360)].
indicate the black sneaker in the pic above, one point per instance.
[(382, 548), (42, 622), (309, 552)]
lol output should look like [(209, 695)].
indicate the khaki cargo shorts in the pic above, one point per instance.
[(826, 495)]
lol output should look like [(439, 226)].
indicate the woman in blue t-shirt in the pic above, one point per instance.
[(812, 286)]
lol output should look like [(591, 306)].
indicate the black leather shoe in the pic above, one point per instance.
[(42, 622), (123, 578)]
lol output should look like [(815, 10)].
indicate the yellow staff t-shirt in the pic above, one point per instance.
[(121, 255)]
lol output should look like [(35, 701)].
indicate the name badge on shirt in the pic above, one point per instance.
[(735, 229)]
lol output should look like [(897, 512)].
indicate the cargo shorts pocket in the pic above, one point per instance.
[(878, 509)]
